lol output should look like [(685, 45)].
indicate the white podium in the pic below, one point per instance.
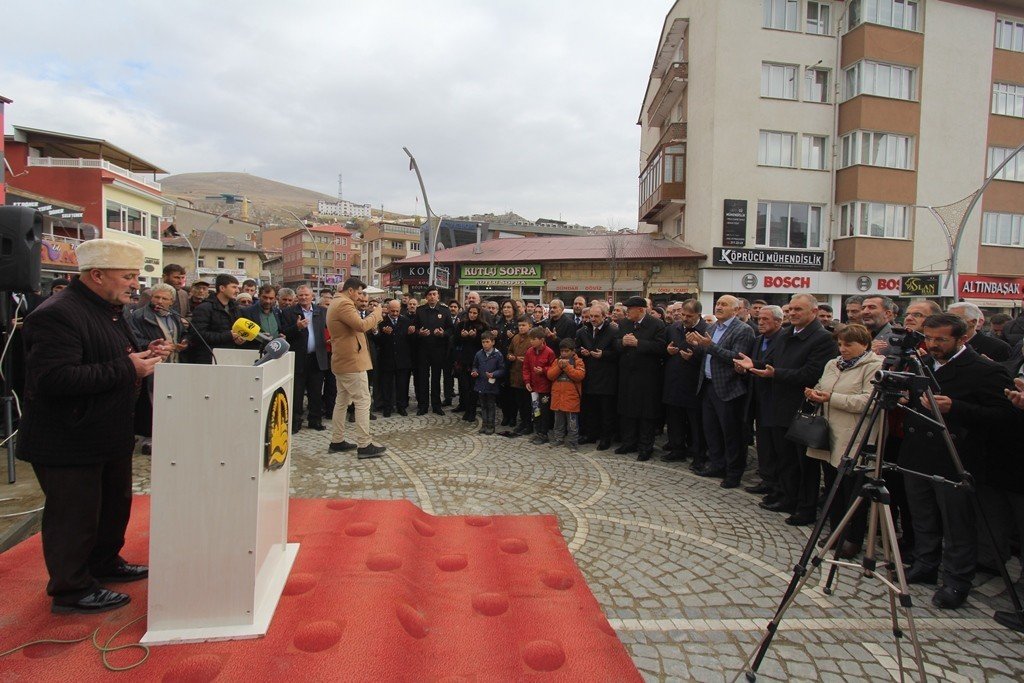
[(218, 550)]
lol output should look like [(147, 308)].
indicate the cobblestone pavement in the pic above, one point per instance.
[(687, 572)]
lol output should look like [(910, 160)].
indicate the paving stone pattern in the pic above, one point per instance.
[(688, 573)]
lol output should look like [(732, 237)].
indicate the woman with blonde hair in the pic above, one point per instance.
[(843, 392)]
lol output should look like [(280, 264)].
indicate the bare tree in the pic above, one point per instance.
[(612, 252)]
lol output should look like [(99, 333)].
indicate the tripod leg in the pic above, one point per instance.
[(894, 562), (839, 533)]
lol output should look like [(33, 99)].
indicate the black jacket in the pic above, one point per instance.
[(759, 398), (995, 349), (799, 359), (602, 377), (393, 349), (430, 319), (682, 377), (640, 368), (213, 321), (978, 421), (81, 388), (298, 339), (564, 328)]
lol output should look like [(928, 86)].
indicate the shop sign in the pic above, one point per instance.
[(411, 275), (442, 277), (529, 271), (988, 287), (594, 285), (734, 223), (769, 258), (57, 253), (671, 288), (919, 285), (499, 282)]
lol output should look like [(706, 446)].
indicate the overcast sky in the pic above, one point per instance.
[(523, 105)]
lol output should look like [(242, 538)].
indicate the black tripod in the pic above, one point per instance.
[(890, 387), (7, 367)]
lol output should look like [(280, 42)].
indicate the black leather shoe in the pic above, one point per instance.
[(923, 575), (403, 412), (776, 506), (371, 451), (124, 573), (603, 445), (730, 484), (447, 403), (438, 411), (372, 416), (338, 446), (948, 597), (625, 449), (296, 427), (100, 600), (709, 472), (387, 413), (586, 439), (759, 489), (421, 411), (644, 456), (848, 550), (800, 519), (674, 456), (318, 426)]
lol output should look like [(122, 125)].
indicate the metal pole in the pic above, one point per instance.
[(196, 251), (432, 242), (319, 256)]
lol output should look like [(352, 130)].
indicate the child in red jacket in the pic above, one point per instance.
[(566, 375), (536, 362)]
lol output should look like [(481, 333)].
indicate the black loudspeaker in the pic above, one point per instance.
[(21, 238)]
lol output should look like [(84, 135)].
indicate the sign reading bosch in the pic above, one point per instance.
[(768, 258)]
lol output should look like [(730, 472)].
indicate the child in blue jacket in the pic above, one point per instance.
[(488, 368)]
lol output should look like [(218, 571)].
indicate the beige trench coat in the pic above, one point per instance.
[(850, 392)]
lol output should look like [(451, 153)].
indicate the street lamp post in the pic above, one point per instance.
[(319, 256), (432, 235), (202, 238)]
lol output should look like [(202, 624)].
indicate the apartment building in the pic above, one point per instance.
[(321, 256), (386, 242), (801, 142), (343, 208)]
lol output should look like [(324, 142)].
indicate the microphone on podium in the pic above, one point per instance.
[(250, 331), (273, 350)]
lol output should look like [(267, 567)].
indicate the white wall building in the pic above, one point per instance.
[(343, 208)]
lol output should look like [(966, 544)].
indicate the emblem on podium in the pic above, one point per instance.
[(275, 448)]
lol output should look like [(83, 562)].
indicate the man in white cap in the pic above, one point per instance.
[(84, 374)]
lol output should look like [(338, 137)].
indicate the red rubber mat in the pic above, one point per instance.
[(380, 591)]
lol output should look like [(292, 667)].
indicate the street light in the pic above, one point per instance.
[(319, 256), (432, 241), (202, 238)]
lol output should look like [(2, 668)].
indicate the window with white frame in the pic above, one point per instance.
[(788, 225), (221, 262), (815, 154), (818, 14), (776, 149), (876, 149), (881, 79), (1010, 34), (903, 14), (778, 80), (1008, 99), (816, 85), (781, 14), (240, 264), (1003, 229), (874, 219), (1012, 171)]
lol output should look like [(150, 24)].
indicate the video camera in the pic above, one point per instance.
[(890, 381)]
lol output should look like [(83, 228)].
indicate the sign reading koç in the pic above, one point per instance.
[(499, 271), (768, 258)]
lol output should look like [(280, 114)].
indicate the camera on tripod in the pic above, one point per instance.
[(903, 341), (891, 381)]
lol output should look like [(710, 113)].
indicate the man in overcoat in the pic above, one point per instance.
[(640, 346)]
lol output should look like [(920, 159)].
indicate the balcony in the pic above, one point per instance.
[(57, 162), (662, 182), (674, 134), (673, 82)]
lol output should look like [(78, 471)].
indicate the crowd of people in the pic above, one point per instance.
[(629, 376)]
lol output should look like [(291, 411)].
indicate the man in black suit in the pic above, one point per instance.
[(640, 345), (559, 324), (212, 321), (682, 377), (992, 347), (973, 405), (303, 326), (759, 409), (394, 359), (803, 350), (595, 342), (722, 391), (434, 329)]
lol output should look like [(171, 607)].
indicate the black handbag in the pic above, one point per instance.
[(810, 429)]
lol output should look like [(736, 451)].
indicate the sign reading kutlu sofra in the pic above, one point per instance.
[(768, 258), (734, 223), (497, 271)]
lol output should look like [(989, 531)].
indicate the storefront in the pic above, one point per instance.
[(993, 294), (411, 280), (777, 286), (502, 281), (608, 290)]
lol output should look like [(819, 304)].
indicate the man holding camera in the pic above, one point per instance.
[(973, 406)]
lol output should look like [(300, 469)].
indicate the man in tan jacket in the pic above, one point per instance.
[(350, 359)]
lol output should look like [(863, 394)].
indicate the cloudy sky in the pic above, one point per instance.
[(523, 105)]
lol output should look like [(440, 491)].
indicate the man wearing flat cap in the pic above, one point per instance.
[(640, 346), (77, 429)]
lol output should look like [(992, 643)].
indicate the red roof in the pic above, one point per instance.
[(586, 248)]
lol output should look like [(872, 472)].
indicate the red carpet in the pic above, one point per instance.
[(381, 591)]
